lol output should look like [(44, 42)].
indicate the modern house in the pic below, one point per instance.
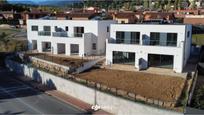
[(69, 37), (149, 45)]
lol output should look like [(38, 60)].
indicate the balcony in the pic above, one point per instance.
[(59, 34), (44, 33)]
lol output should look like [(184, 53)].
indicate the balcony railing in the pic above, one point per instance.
[(78, 35), (44, 33), (119, 41), (160, 43), (59, 34), (145, 42)]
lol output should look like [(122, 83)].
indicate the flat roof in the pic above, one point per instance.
[(152, 24)]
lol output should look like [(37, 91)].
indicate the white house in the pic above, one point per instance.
[(69, 37), (153, 45)]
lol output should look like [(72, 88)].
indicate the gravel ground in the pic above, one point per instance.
[(162, 87), (66, 61)]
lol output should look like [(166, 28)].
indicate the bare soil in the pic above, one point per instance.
[(162, 87), (66, 61)]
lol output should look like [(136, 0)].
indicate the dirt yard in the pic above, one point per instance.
[(66, 61), (154, 86)]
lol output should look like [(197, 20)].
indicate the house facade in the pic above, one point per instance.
[(69, 37), (152, 45)]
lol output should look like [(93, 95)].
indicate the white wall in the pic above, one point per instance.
[(90, 26), (142, 51), (110, 103), (103, 35)]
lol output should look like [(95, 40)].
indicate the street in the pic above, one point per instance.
[(17, 97)]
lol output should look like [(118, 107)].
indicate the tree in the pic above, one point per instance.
[(192, 4), (146, 4), (168, 6)]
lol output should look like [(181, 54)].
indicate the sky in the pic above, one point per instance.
[(35, 1)]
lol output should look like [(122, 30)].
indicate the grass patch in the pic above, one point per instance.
[(198, 39), (9, 31)]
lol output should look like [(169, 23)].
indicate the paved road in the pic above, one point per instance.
[(18, 98)]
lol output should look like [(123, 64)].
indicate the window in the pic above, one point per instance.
[(188, 34), (34, 28), (47, 28), (122, 22), (135, 38), (66, 28), (154, 38), (94, 46), (108, 29), (171, 39), (55, 28), (120, 36), (78, 31)]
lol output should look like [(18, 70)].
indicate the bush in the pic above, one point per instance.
[(199, 98)]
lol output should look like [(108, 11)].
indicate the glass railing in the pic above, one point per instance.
[(145, 42), (44, 33), (59, 34), (78, 35), (159, 43), (119, 41)]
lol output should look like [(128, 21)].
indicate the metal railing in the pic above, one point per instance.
[(59, 34), (44, 33)]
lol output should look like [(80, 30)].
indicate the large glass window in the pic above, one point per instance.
[(163, 39), (171, 39), (135, 38), (161, 61), (127, 37), (120, 36), (154, 38), (78, 31), (123, 58)]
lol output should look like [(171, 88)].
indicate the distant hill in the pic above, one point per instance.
[(45, 2), (21, 2)]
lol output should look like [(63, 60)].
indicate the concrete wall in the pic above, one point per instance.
[(107, 102), (90, 26), (142, 51), (103, 34)]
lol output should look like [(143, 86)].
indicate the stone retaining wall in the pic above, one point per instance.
[(111, 103), (125, 94)]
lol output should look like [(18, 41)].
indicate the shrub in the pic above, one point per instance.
[(199, 98)]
